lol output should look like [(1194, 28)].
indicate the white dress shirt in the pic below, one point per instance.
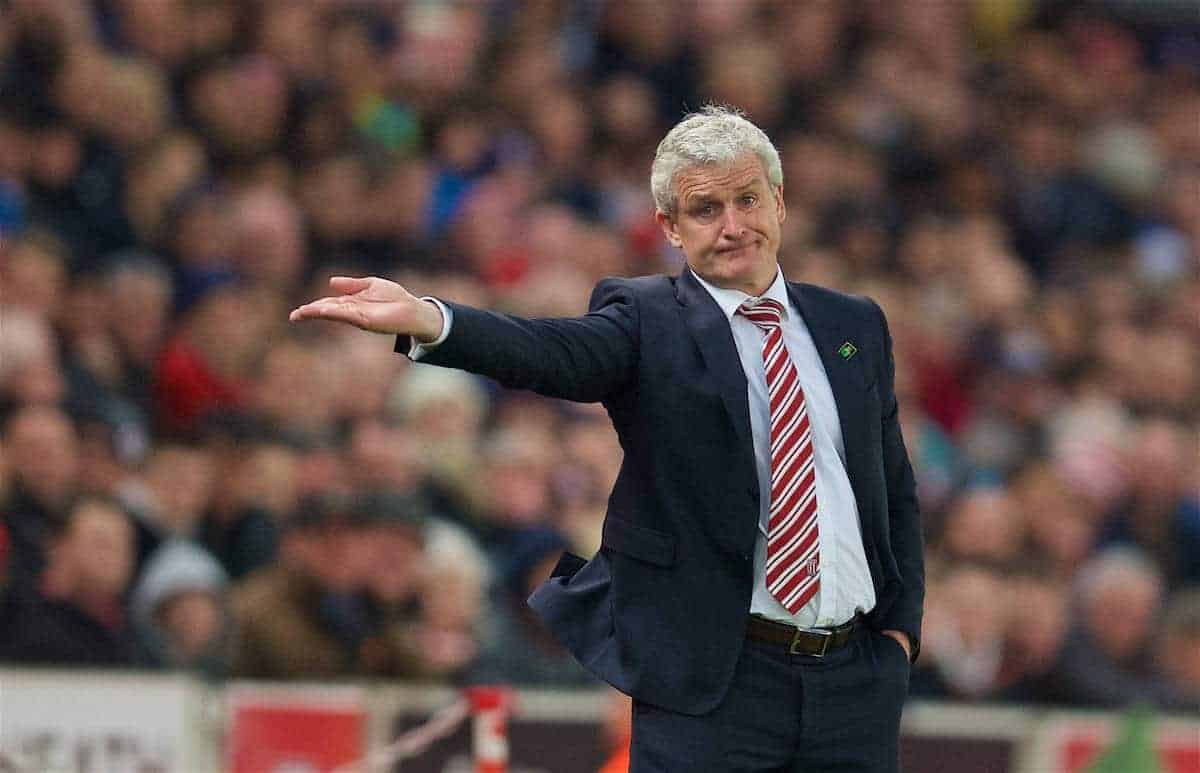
[(846, 585)]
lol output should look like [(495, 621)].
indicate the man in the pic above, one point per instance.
[(1108, 660), (312, 614), (76, 615), (301, 618), (760, 585), (43, 456)]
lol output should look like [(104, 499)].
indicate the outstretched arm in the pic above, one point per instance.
[(581, 358)]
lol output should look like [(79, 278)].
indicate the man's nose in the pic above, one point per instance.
[(732, 226)]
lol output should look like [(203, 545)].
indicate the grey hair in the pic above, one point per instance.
[(715, 135), (1115, 566)]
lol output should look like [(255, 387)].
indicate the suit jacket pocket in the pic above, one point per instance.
[(649, 545)]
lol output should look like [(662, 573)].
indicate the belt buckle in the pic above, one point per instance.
[(826, 636)]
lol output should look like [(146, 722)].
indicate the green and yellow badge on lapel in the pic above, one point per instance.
[(847, 350)]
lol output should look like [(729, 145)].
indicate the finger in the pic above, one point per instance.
[(349, 284), (311, 309), (328, 308)]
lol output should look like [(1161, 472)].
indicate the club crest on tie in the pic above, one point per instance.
[(810, 566), (847, 350)]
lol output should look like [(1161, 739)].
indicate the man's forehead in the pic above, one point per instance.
[(705, 178)]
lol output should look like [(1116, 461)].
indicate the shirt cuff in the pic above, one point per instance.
[(419, 350)]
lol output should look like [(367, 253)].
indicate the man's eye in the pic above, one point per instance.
[(706, 211), (749, 199)]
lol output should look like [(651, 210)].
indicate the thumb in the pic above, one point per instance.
[(349, 284)]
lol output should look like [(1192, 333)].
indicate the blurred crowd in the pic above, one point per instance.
[(189, 482)]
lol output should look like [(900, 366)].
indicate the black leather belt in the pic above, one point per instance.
[(816, 642)]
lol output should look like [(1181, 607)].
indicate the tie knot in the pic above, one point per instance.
[(766, 313)]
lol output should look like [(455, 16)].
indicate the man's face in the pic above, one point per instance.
[(727, 222), (100, 546)]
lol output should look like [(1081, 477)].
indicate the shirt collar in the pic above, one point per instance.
[(729, 300)]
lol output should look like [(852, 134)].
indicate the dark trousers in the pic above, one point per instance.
[(788, 714)]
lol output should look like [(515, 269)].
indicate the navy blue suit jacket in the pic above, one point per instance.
[(660, 611)]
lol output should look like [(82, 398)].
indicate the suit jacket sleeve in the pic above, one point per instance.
[(581, 358), (904, 516)]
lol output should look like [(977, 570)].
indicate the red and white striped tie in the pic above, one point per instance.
[(793, 559)]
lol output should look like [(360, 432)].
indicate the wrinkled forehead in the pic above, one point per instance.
[(701, 179)]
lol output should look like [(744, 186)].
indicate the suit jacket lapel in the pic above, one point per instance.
[(845, 376), (710, 329)]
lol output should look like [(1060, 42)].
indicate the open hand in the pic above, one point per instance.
[(374, 304)]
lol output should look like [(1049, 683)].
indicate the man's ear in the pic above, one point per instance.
[(667, 224), (780, 207)]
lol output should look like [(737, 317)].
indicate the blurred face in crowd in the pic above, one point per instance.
[(727, 222), (984, 525), (269, 237), (35, 275), (182, 479), (1121, 614), (226, 327), (516, 477), (334, 555), (140, 303), (976, 596), (43, 453), (157, 175), (396, 561), (1159, 464), (1037, 624), (220, 98), (95, 555), (268, 478), (383, 456), (192, 620)]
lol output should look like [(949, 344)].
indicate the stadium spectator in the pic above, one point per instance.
[(168, 496), (340, 600), (298, 618), (967, 613), (30, 368), (516, 492), (1107, 660), (984, 526), (42, 453), (76, 614), (1160, 512), (137, 297), (180, 611), (1060, 528), (205, 367), (395, 528), (443, 410), (454, 610), (1035, 635), (519, 648), (268, 238), (242, 526)]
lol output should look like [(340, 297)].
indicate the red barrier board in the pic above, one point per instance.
[(280, 734)]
